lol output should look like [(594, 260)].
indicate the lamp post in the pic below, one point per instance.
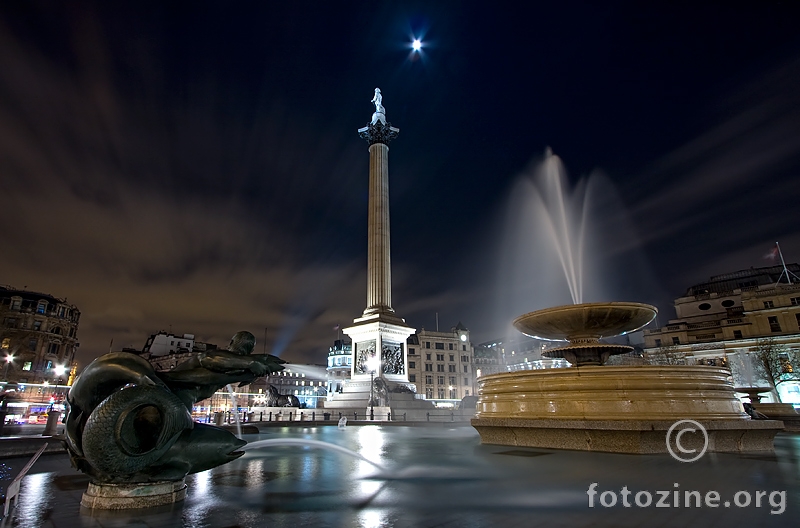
[(9, 359), (373, 363)]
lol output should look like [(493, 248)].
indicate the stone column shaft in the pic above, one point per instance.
[(379, 269)]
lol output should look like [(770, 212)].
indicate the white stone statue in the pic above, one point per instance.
[(380, 111)]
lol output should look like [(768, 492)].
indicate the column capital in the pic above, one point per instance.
[(378, 132)]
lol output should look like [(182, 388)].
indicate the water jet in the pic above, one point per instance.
[(592, 406)]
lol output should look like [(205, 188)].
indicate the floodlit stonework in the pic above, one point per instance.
[(38, 332)]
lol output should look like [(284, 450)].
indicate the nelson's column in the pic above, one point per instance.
[(379, 333)]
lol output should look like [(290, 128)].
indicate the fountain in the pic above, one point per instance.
[(592, 406)]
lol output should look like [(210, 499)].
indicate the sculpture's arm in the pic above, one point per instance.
[(222, 361)]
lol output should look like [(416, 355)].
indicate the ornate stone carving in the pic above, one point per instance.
[(364, 350), (392, 358), (378, 133)]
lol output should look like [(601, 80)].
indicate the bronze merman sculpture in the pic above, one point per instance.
[(128, 424)]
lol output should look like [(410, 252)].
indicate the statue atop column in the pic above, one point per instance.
[(379, 130), (380, 111)]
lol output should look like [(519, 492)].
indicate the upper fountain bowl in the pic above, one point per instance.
[(586, 322)]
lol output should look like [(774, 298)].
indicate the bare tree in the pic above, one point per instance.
[(666, 355), (776, 362)]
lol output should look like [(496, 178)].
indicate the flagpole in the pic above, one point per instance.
[(785, 271)]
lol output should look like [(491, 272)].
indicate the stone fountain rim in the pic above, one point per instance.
[(536, 314), (605, 370)]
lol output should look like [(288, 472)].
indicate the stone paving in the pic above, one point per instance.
[(434, 477)]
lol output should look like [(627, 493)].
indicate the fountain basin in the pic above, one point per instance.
[(625, 409), (583, 325), (586, 322), (641, 392)]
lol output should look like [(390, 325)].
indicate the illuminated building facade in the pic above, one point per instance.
[(442, 365), (726, 319), (38, 336)]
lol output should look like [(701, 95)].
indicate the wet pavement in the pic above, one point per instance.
[(438, 477)]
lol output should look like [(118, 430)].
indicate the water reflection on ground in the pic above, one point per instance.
[(437, 476)]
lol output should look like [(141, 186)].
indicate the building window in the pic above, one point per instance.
[(441, 393), (412, 377), (774, 325), (427, 344), (428, 367), (676, 341), (466, 392), (439, 368), (49, 365), (440, 380), (769, 304), (6, 343), (737, 334), (439, 357), (10, 322), (27, 365), (795, 301), (452, 380), (16, 304), (797, 316), (451, 368), (428, 357), (439, 346), (412, 364), (37, 325), (466, 369), (453, 394), (429, 392), (53, 349), (465, 359), (452, 357), (464, 348), (658, 342), (41, 307), (412, 351), (429, 379), (32, 345), (466, 382)]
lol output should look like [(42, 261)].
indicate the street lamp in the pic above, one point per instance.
[(373, 364), (9, 359), (59, 371)]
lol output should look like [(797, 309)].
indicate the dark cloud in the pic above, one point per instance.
[(196, 167)]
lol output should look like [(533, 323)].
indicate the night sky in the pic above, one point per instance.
[(195, 166)]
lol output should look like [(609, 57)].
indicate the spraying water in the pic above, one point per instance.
[(565, 243), (304, 442), (235, 411), (564, 218)]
